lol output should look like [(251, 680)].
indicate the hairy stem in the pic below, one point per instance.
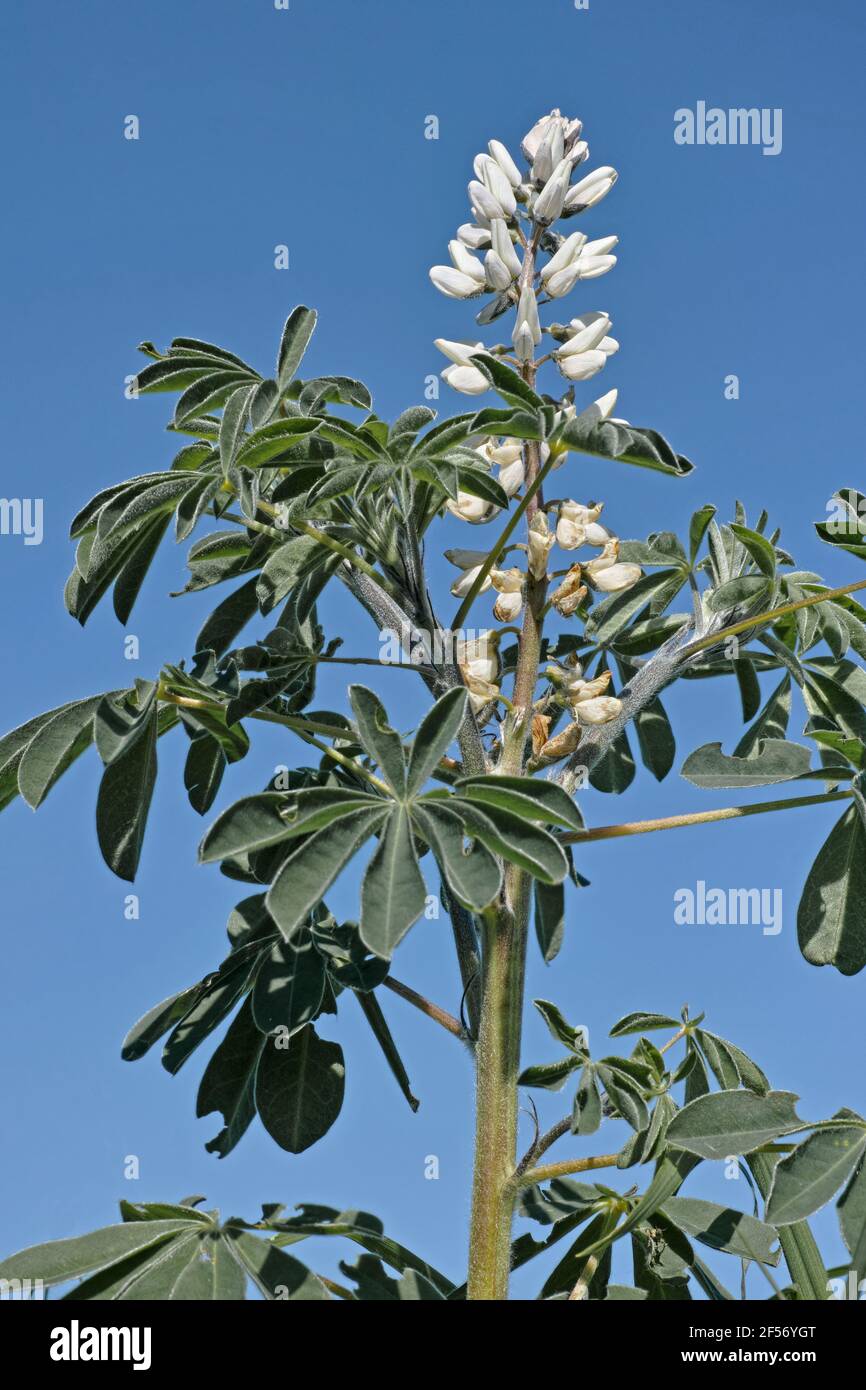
[(644, 827), (504, 961)]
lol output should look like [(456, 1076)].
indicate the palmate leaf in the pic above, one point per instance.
[(362, 1228), (228, 1083), (393, 893), (167, 1252)]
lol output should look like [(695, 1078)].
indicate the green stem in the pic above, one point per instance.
[(547, 1171), (505, 931), (772, 616), (643, 827)]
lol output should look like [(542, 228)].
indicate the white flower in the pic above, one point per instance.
[(469, 381), (615, 578), (572, 523), (507, 607), (465, 262), (577, 690), (590, 332), (507, 452), (590, 267), (485, 202), (607, 574), (504, 246), (523, 341), (540, 545), (549, 153), (580, 366), (512, 477), (472, 236), (463, 376), (505, 162), (567, 253), (591, 189), (600, 711), (498, 184), (600, 410), (470, 508), (478, 662), (550, 201), (527, 312), (462, 353), (466, 559), (532, 141), (454, 283), (564, 281), (602, 247), (462, 586), (499, 277)]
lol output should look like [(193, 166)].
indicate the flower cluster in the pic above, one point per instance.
[(513, 211), (502, 252)]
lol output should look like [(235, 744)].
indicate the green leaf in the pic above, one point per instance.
[(748, 591), (642, 1023), (297, 332), (587, 1114), (549, 1076), (724, 1123), (123, 802), (156, 1023), (723, 1228), (529, 798), (269, 441), (203, 772), (613, 613), (517, 840), (228, 619), (549, 918), (559, 1028), (228, 1083), (656, 739), (213, 1275), (509, 385), (803, 1181), (307, 874), (393, 894), (852, 1219), (59, 1260), (234, 420), (365, 1230), (831, 926), (774, 761), (299, 1088), (383, 743), (275, 1274), (698, 529), (471, 873), (289, 986), (436, 732), (625, 1094), (255, 822), (625, 443), (760, 549), (56, 744), (214, 1001), (772, 722), (372, 1011), (847, 528)]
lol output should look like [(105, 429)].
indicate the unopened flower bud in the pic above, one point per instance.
[(472, 509), (507, 607), (504, 246), (499, 277), (591, 189), (601, 711), (540, 544), (485, 202), (615, 578), (454, 283), (589, 335), (465, 262), (581, 366), (505, 162), (466, 559), (550, 200), (462, 586), (472, 236)]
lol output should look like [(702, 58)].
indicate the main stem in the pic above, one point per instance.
[(505, 930)]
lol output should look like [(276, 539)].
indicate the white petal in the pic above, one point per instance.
[(505, 162), (465, 262), (468, 380), (472, 236), (581, 366), (454, 283)]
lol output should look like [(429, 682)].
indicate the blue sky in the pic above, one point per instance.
[(305, 127)]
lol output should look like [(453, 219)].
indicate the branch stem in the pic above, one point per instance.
[(644, 827)]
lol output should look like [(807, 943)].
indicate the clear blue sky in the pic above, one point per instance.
[(306, 127)]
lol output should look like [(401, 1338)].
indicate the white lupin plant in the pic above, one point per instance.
[(476, 803), (513, 213)]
